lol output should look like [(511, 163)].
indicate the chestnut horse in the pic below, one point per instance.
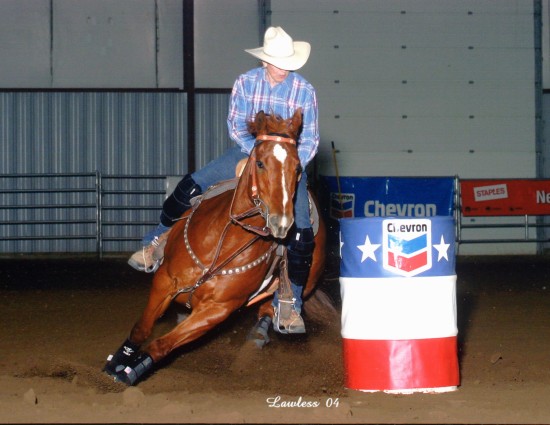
[(218, 255)]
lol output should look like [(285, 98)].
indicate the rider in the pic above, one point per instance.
[(273, 88)]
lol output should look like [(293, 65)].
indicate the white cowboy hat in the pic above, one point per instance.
[(279, 50)]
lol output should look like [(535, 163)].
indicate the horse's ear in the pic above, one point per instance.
[(260, 119), (297, 121), (255, 125)]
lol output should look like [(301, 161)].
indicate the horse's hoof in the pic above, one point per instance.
[(259, 333), (129, 375), (115, 376), (117, 373), (126, 377), (142, 363), (112, 368), (121, 376), (123, 356)]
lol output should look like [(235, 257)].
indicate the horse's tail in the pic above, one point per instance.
[(320, 308)]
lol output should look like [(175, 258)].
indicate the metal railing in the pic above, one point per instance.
[(78, 207), (136, 194), (527, 223), (116, 210)]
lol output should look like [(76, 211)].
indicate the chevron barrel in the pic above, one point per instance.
[(398, 288)]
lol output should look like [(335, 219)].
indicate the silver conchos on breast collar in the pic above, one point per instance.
[(224, 272)]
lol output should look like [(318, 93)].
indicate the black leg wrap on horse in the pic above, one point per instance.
[(300, 254), (179, 200), (259, 334), (142, 363), (122, 357)]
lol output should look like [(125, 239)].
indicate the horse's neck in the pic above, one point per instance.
[(242, 202)]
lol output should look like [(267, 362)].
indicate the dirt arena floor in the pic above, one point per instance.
[(60, 318)]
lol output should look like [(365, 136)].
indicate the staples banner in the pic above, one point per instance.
[(505, 197)]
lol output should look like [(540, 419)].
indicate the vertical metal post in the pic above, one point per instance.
[(457, 213), (99, 220), (264, 12), (539, 142), (189, 79)]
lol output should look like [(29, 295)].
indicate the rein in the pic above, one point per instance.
[(260, 208), (210, 272)]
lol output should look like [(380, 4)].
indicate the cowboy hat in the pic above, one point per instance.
[(279, 50)]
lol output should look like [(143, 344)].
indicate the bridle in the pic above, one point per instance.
[(260, 207), (270, 137)]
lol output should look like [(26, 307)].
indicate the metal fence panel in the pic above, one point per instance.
[(66, 133)]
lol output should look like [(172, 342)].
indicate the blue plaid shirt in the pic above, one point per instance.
[(252, 94)]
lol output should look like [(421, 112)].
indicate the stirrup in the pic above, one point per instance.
[(287, 320), (154, 267), (142, 267), (157, 257)]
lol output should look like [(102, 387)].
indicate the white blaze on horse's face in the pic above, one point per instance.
[(283, 223), (280, 154)]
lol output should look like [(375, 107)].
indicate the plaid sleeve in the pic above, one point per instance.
[(309, 139), (239, 113)]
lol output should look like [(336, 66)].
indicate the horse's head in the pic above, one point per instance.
[(274, 168)]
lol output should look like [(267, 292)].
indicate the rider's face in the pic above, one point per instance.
[(275, 75)]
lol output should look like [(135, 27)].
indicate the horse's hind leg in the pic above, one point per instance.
[(128, 352), (259, 334)]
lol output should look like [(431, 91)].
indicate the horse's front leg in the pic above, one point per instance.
[(201, 320), (160, 297)]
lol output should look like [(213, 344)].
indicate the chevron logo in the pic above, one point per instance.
[(407, 246)]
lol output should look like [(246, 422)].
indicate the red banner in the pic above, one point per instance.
[(505, 197)]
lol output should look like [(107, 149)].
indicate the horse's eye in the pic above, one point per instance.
[(260, 164)]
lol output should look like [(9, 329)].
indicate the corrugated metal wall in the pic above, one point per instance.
[(117, 133), (211, 127), (114, 133)]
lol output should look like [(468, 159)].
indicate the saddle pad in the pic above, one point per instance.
[(215, 190)]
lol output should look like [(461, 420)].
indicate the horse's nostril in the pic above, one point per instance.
[(279, 226), (279, 233)]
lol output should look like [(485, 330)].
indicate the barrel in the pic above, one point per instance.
[(398, 289)]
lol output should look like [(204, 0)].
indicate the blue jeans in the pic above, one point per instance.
[(223, 168)]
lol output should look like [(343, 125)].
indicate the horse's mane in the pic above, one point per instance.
[(272, 124)]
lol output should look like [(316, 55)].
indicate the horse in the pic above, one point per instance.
[(218, 254)]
